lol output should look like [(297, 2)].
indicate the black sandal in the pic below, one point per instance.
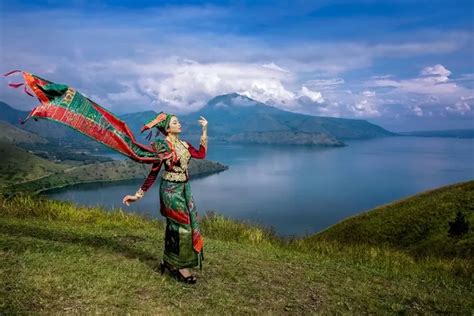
[(191, 279)]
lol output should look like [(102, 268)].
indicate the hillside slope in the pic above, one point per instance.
[(57, 257), (418, 224), (13, 134), (116, 170), (18, 165)]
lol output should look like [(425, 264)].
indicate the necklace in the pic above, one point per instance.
[(177, 144)]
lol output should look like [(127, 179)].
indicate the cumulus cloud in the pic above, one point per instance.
[(186, 85), (314, 96), (462, 106), (437, 71), (433, 87), (368, 93), (434, 80)]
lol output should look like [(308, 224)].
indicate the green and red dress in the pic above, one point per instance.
[(183, 239)]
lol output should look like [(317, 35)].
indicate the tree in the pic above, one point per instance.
[(459, 226)]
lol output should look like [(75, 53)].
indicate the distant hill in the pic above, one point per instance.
[(238, 119), (18, 165), (455, 133), (21, 170), (108, 171), (233, 118), (13, 134), (418, 224)]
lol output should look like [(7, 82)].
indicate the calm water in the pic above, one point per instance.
[(301, 190)]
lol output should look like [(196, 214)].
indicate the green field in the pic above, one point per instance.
[(58, 257)]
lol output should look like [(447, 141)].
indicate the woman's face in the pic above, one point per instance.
[(174, 126)]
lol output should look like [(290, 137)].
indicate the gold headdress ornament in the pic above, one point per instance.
[(161, 122)]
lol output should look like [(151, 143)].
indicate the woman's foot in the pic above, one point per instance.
[(182, 274), (186, 276)]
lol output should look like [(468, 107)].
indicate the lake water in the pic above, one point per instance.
[(299, 190)]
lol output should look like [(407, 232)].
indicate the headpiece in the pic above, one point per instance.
[(161, 122)]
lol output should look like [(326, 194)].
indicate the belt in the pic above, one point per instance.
[(175, 176)]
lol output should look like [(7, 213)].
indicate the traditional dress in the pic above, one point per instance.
[(183, 240), (64, 104)]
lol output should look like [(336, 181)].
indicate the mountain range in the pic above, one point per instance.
[(233, 118)]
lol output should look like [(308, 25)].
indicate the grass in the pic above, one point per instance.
[(58, 257), (418, 224), (18, 165)]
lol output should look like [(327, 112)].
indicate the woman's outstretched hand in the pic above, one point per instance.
[(129, 198), (203, 122)]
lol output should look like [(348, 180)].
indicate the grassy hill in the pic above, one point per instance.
[(18, 165), (418, 224), (103, 172), (57, 257), (21, 170)]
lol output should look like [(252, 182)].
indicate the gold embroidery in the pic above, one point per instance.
[(174, 176), (178, 173), (203, 141)]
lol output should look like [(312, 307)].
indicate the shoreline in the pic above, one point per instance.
[(42, 191)]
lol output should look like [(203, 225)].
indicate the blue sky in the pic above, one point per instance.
[(405, 65)]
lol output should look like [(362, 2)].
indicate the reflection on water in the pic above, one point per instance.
[(302, 189)]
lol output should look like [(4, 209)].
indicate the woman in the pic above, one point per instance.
[(183, 240), (64, 104)]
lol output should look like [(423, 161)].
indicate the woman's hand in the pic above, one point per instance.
[(203, 123), (129, 198)]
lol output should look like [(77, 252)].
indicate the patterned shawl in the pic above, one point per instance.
[(63, 104)]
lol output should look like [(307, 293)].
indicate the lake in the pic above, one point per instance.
[(299, 190)]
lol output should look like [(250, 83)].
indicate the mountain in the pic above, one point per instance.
[(233, 118), (136, 120), (13, 134), (237, 118)]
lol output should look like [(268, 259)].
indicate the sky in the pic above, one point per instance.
[(404, 65)]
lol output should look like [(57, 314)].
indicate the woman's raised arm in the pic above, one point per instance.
[(201, 153)]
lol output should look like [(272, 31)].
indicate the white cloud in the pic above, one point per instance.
[(437, 71), (273, 66), (368, 93), (314, 96), (417, 110), (187, 85), (130, 95), (460, 107), (324, 84), (434, 81), (433, 87)]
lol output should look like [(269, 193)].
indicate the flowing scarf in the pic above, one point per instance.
[(64, 104)]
